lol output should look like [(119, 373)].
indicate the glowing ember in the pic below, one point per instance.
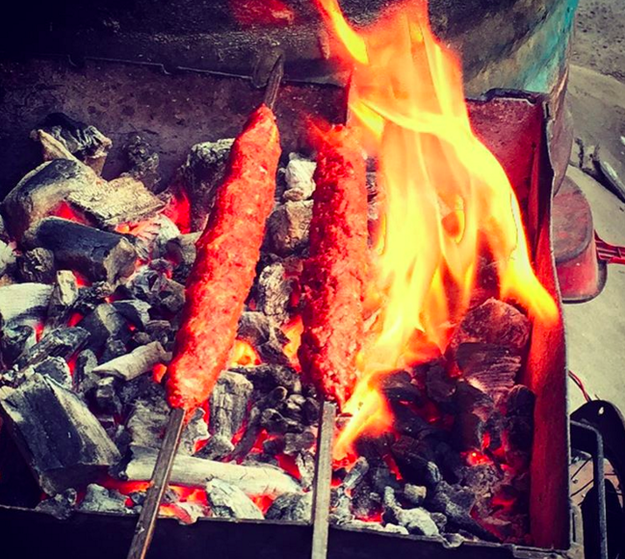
[(243, 355), (262, 12), (179, 211), (293, 331), (448, 199)]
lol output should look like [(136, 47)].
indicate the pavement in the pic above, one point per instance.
[(596, 329)]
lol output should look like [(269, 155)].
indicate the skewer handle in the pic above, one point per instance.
[(160, 479), (273, 84)]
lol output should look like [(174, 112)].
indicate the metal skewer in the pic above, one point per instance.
[(144, 529), (323, 481)]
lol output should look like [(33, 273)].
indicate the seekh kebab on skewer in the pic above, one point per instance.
[(334, 275), (225, 266)]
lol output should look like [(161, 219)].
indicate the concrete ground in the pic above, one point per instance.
[(596, 329)]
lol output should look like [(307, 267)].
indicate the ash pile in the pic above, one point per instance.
[(92, 276)]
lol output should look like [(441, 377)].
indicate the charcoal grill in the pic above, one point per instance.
[(177, 110)]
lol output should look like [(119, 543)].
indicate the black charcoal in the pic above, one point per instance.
[(264, 336), (55, 368), (228, 404), (273, 292), (292, 507), (101, 499), (61, 505), (228, 501), (64, 295), (62, 342), (37, 266), (288, 227), (103, 323), (143, 161)]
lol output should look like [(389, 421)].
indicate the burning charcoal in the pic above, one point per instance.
[(143, 161), (310, 411), (182, 251), (228, 404), (24, 300), (92, 296), (14, 342), (147, 421), (138, 362), (519, 418), (83, 374), (190, 470), (365, 502), (141, 338), (375, 527), (83, 141), (42, 191), (288, 227), (112, 350), (195, 431), (440, 519), (36, 265), (134, 311), (60, 439), (62, 342), (103, 323), (162, 230), (8, 259), (417, 520), (105, 397), (305, 462), (100, 499), (99, 255), (414, 494), (228, 501), (264, 336), (397, 387), (494, 322), (121, 200), (63, 297), (161, 331), (296, 442), (203, 171), (440, 387), (171, 296), (412, 465), (340, 507), (471, 399), (217, 448), (276, 424), (60, 506), (55, 368), (291, 507), (273, 291), (299, 178), (292, 407), (267, 377), (357, 473)]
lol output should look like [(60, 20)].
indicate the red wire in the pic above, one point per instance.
[(580, 385)]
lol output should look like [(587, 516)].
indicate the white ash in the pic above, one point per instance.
[(228, 501), (101, 499), (299, 178)]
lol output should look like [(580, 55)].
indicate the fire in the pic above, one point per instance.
[(293, 331), (243, 355), (448, 200)]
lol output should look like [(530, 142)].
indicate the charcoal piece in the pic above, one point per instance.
[(8, 259), (105, 399), (295, 443), (14, 342), (192, 471), (519, 419), (470, 399), (413, 466), (196, 430), (138, 362), (492, 368), (416, 520), (217, 448), (288, 227), (92, 296), (141, 338), (4, 234), (41, 191), (84, 377), (37, 266), (520, 402), (440, 520), (60, 439), (170, 298), (143, 161), (83, 141), (450, 461), (134, 311), (228, 501), (182, 251), (397, 387), (292, 407), (102, 323), (292, 507), (494, 322), (305, 462), (61, 505), (264, 336), (340, 507), (439, 385), (101, 499), (273, 292), (276, 424), (388, 528), (201, 174), (55, 368), (98, 255), (310, 411), (483, 480), (299, 178), (113, 349), (147, 421), (365, 502), (228, 404), (414, 494), (357, 473), (380, 477), (24, 300), (62, 342), (266, 377), (64, 295), (161, 331), (468, 431)]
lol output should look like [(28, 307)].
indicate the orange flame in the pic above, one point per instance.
[(446, 195), (243, 355), (293, 331)]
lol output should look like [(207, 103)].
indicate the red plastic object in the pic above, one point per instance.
[(610, 254)]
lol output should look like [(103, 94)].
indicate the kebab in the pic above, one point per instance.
[(222, 275)]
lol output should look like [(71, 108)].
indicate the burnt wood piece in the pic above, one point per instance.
[(182, 251), (36, 265), (417, 521), (83, 141), (41, 191), (60, 439), (64, 295), (273, 292), (294, 507), (264, 336), (62, 342), (188, 470), (228, 404), (229, 501), (135, 311), (138, 362), (288, 227), (121, 200), (24, 300), (200, 175), (143, 161), (99, 255), (13, 343), (55, 368), (103, 323)]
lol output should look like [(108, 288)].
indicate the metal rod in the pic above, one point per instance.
[(323, 482), (273, 84), (160, 479)]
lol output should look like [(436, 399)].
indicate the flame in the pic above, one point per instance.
[(243, 355), (179, 210), (448, 199), (293, 331)]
